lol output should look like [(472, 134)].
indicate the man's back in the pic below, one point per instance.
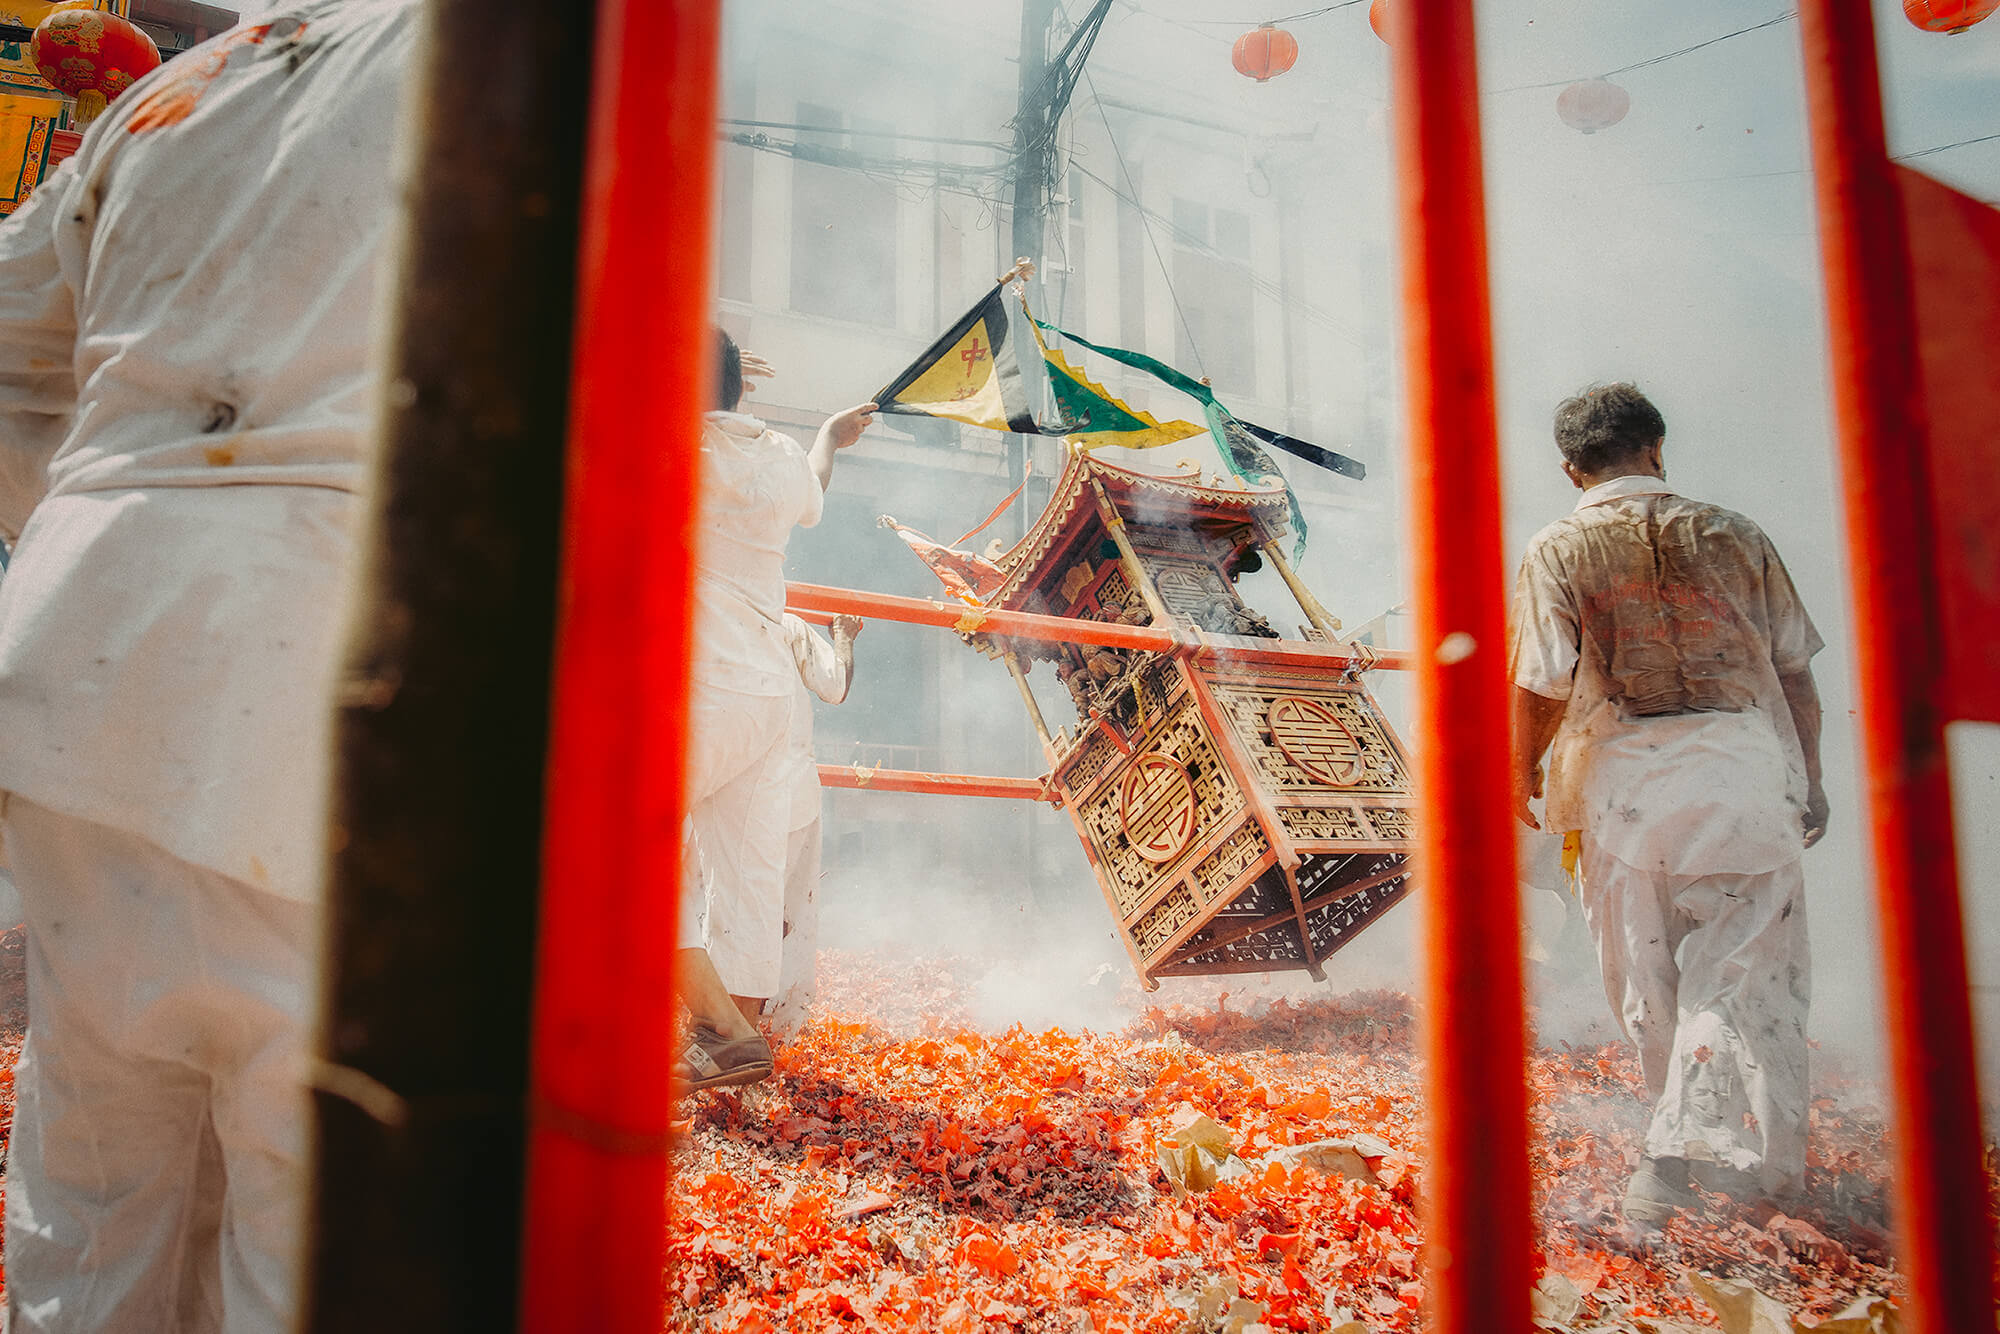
[(217, 242), (1666, 625), (185, 311), (1672, 597)]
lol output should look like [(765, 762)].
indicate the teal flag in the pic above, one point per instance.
[(1239, 442)]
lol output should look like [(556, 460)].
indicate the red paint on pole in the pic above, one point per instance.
[(941, 785), (1892, 522), (595, 1242), (1480, 1257)]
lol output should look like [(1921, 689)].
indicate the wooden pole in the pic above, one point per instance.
[(1899, 624), (643, 373), (1308, 604), (937, 785), (1135, 573), (1020, 676), (1480, 1256), (442, 724), (813, 600)]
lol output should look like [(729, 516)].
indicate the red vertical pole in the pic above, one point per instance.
[(1475, 1041), (596, 1219), (1946, 1239)]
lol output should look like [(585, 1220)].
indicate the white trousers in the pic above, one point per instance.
[(739, 797), (798, 969), (157, 1177), (1711, 977)]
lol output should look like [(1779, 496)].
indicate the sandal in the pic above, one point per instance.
[(711, 1061)]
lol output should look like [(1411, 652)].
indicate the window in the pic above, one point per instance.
[(1133, 256), (843, 224), (1212, 278)]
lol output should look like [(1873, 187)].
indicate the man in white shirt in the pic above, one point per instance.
[(1659, 642), (826, 670), (756, 486), (185, 315)]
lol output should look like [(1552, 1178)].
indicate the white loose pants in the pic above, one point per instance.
[(157, 1176), (1711, 978), (739, 797), (799, 970)]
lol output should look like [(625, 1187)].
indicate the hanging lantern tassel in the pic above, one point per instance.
[(93, 56), (1593, 105), (1948, 15), (1264, 53)]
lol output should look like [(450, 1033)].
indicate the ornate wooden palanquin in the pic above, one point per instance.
[(1243, 801)]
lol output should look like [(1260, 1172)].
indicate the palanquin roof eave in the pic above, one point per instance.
[(1072, 506)]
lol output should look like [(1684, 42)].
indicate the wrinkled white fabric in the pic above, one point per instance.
[(820, 674), (1605, 619), (185, 314), (157, 1174), (186, 309), (739, 795), (1711, 977), (756, 486), (798, 970)]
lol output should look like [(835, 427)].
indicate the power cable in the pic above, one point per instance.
[(1926, 152), (1238, 23), (1262, 285), (1786, 17), (1146, 221), (867, 134)]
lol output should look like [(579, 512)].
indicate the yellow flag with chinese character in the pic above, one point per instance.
[(969, 375)]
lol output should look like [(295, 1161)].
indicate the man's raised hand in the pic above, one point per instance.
[(755, 368), (844, 428)]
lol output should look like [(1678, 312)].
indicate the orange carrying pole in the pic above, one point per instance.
[(1946, 1240), (602, 1041), (938, 785), (819, 603), (1480, 1256)]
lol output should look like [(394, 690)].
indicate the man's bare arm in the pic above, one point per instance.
[(1536, 718), (1802, 697), (845, 628), (837, 433)]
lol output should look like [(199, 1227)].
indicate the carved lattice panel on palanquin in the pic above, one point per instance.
[(1122, 803), (1233, 941), (1309, 738)]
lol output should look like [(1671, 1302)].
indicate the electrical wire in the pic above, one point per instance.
[(1939, 148), (1650, 61), (1146, 221), (851, 132), (1263, 285), (1300, 17)]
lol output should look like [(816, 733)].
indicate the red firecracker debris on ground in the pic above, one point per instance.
[(13, 1028), (906, 1172)]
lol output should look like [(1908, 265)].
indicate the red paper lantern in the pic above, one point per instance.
[(1947, 15), (1264, 53), (92, 56), (1592, 105), (1378, 18)]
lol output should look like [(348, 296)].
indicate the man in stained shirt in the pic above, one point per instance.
[(826, 670), (1659, 642), (185, 400)]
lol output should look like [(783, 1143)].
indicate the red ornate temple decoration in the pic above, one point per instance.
[(1241, 798)]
